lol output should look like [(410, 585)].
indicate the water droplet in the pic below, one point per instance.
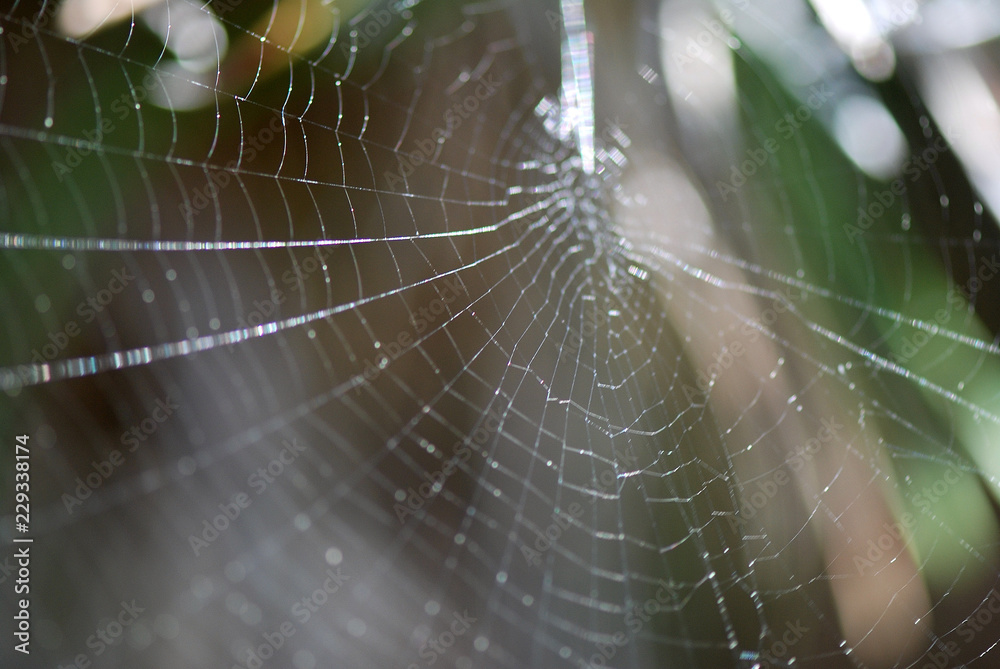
[(356, 627)]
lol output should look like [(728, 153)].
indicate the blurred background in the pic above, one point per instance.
[(411, 333)]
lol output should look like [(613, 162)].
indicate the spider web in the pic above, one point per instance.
[(503, 372)]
